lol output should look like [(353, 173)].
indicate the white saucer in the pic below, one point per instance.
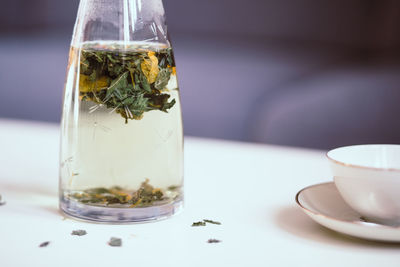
[(323, 203)]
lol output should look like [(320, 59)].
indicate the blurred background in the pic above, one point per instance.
[(307, 73)]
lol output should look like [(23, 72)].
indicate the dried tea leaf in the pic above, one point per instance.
[(145, 84), (97, 190), (163, 79), (146, 195), (115, 242), (150, 67), (212, 222), (44, 244), (2, 202), (79, 232), (212, 240), (199, 224), (120, 83), (173, 187)]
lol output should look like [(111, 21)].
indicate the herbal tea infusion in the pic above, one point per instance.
[(130, 80), (122, 132)]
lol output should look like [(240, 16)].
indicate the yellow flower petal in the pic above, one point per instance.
[(86, 85), (150, 67)]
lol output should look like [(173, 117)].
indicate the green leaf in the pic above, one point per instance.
[(93, 76), (145, 84), (163, 79), (85, 67), (110, 58), (118, 83), (168, 105)]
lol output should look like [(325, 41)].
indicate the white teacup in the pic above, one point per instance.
[(368, 178)]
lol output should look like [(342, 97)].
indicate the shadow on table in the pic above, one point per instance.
[(294, 221)]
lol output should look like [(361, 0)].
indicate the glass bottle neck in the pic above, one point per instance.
[(120, 20)]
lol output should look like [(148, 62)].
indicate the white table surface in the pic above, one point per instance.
[(250, 188)]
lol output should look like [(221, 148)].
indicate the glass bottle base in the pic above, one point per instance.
[(119, 215)]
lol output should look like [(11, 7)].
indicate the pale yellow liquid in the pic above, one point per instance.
[(99, 149)]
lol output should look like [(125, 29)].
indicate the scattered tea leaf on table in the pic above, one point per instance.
[(204, 222), (115, 242), (2, 202), (199, 224), (79, 232), (211, 221), (44, 244), (212, 240)]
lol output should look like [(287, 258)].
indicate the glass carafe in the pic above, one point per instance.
[(121, 157)]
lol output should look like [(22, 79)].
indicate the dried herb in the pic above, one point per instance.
[(44, 244), (173, 187), (2, 202), (203, 223), (212, 222), (212, 240), (79, 232), (130, 81), (115, 242), (199, 224), (145, 196)]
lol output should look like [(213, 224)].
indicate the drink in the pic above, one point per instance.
[(122, 140)]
